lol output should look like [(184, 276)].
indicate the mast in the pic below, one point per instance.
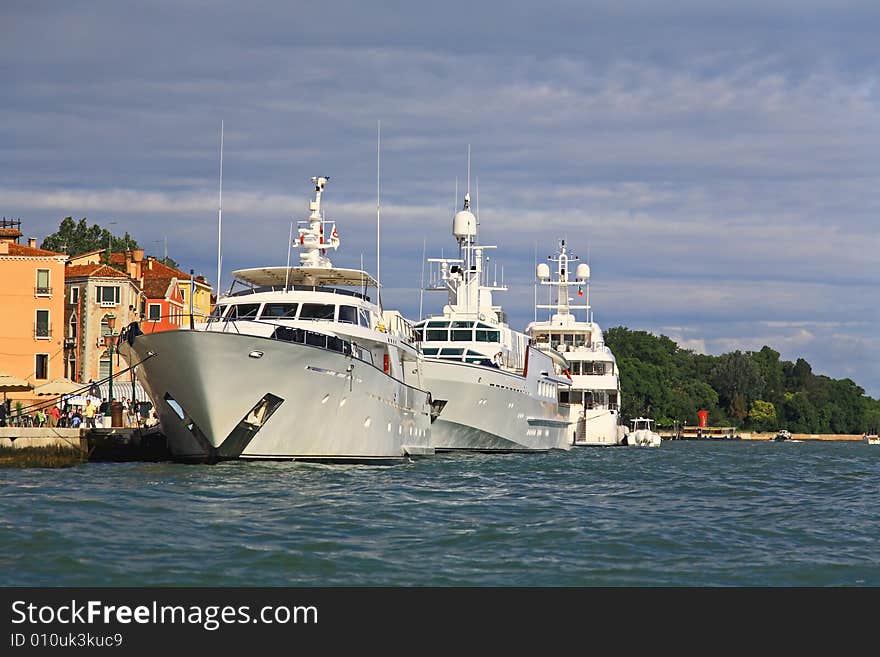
[(220, 217), (378, 222)]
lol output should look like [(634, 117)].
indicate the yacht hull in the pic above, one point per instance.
[(489, 410), (596, 427), (222, 396)]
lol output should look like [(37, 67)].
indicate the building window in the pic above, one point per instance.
[(43, 288), (104, 366), (72, 327), (42, 329), (155, 312), (107, 295), (41, 366), (74, 295), (71, 369)]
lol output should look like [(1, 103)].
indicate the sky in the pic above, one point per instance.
[(718, 164)]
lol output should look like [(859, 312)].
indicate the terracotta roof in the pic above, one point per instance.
[(155, 287), (72, 271), (22, 250), (10, 232)]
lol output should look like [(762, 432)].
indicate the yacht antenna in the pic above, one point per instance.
[(289, 245), (535, 283), (422, 286), (220, 216), (477, 190), (378, 224)]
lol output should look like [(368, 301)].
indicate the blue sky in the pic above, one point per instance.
[(717, 161)]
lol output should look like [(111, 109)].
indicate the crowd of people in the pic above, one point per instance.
[(134, 413)]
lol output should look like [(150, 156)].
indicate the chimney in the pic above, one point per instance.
[(32, 242), (127, 258), (4, 248), (137, 255)]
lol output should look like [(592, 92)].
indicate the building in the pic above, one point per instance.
[(141, 269), (31, 308), (93, 292)]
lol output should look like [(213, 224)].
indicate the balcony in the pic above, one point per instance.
[(69, 343), (42, 291)]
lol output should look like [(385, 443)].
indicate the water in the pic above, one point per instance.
[(688, 513)]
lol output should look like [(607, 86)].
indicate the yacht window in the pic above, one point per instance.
[(462, 325), (449, 351), (541, 337), (574, 367), (462, 335), (555, 339), (317, 311), (363, 318), (280, 310), (348, 314), (430, 351), (475, 357), (243, 311), (218, 311), (436, 324), (569, 339), (432, 335), (488, 336)]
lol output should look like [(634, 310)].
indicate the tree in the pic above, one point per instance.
[(738, 382), (762, 415), (772, 372), (75, 238)]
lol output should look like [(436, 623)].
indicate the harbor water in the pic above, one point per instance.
[(719, 513)]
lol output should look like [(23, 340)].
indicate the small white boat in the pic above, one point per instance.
[(872, 439), (642, 434)]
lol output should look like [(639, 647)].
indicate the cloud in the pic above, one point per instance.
[(715, 163)]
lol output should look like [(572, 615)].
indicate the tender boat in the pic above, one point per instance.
[(299, 363), (579, 352), (782, 434), (642, 434), (492, 390), (872, 439)]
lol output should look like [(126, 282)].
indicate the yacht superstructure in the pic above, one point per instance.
[(492, 390), (298, 364), (580, 352)]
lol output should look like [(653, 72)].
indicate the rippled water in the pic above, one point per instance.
[(688, 513)]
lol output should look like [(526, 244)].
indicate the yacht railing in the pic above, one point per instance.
[(299, 288)]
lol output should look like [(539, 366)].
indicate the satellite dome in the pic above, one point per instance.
[(543, 271), (464, 224), (583, 271)]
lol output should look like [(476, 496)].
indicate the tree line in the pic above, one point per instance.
[(753, 390)]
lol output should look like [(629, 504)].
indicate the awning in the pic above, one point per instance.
[(123, 389)]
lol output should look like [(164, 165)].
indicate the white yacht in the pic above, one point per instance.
[(292, 366), (579, 351), (492, 391)]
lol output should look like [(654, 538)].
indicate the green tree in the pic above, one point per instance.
[(762, 415), (738, 382), (772, 372), (75, 238)]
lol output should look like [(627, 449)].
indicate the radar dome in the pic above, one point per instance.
[(583, 271), (464, 224), (543, 270)]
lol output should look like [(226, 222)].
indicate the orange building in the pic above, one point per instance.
[(31, 309)]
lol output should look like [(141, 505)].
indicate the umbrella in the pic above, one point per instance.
[(9, 383), (61, 386)]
